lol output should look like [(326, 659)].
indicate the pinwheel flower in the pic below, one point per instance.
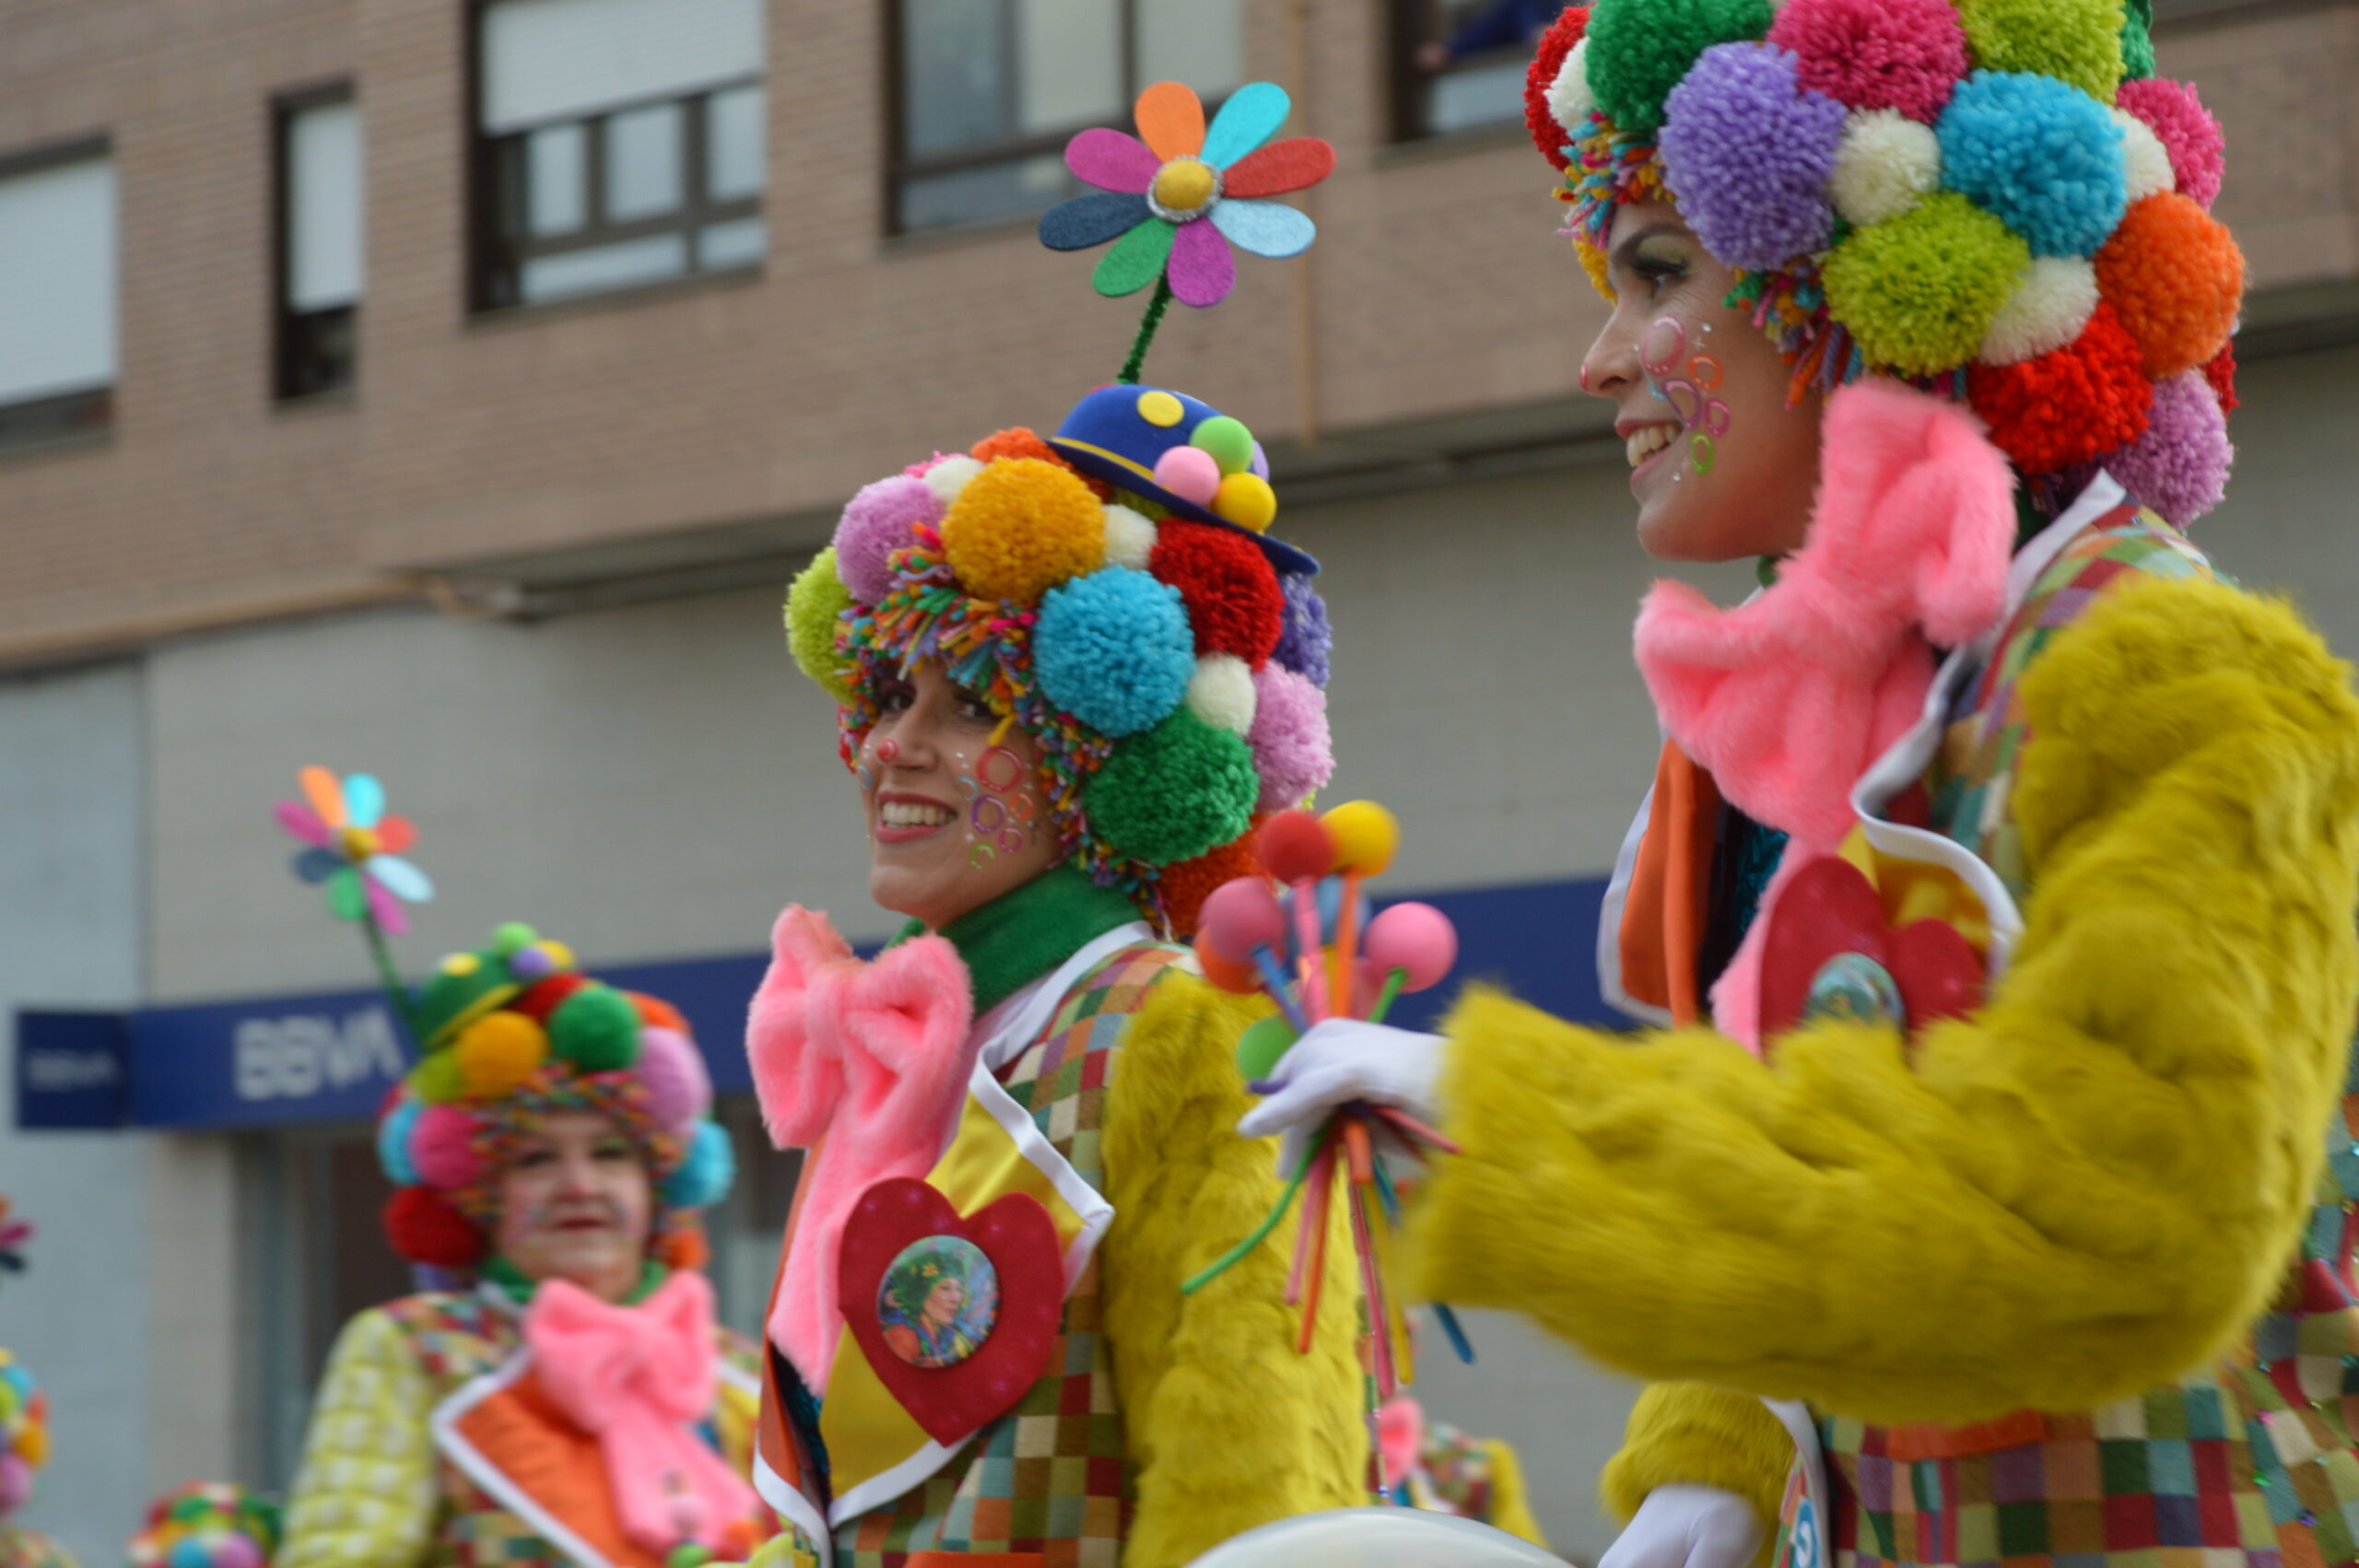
[(1157, 193), (352, 847)]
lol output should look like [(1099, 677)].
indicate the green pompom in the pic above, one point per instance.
[(596, 1029), (812, 602), (2079, 41), (1639, 49), (2137, 40), (1226, 441), (1919, 291), (1174, 792)]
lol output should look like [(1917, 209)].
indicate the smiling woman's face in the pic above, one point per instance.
[(575, 1203), (1721, 466), (954, 821)]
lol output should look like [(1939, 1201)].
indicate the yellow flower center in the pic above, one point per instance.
[(1183, 185), (359, 843)]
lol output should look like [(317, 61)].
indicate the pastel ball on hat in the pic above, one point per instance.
[(1747, 150), (2045, 158), (883, 517), (498, 1054), (1918, 292), (1293, 748), (705, 1171), (1247, 500), (1189, 473), (443, 1149), (595, 1030), (1022, 526), (1114, 650), (1173, 792), (679, 1087), (1227, 440), (1905, 55)]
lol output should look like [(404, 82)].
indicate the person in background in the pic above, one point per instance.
[(1500, 24)]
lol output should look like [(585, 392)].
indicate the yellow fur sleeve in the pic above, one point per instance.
[(1688, 1434), (1229, 1428), (2084, 1189)]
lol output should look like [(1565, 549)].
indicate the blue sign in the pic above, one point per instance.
[(73, 1070)]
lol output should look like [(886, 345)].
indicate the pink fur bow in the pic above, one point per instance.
[(1788, 699), (869, 1063), (637, 1378)]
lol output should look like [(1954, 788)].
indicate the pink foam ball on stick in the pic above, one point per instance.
[(1189, 473), (1417, 938), (1295, 847), (1240, 916)]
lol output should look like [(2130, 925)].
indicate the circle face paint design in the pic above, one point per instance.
[(1660, 349), (990, 824), (982, 855), (1699, 452), (938, 1301), (1716, 417), (1704, 371), (1000, 770), (1686, 401), (866, 775)]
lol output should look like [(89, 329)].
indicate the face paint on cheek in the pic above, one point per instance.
[(1686, 381)]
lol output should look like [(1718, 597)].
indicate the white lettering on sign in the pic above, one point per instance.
[(296, 1057), (62, 1073)]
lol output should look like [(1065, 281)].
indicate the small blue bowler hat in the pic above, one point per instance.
[(1118, 433)]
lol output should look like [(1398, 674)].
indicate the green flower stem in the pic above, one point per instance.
[(395, 991), (1147, 325)]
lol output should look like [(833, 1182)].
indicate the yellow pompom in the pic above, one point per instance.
[(1247, 500), (1021, 527), (436, 1079), (560, 956), (32, 1446), (498, 1053), (1365, 835)]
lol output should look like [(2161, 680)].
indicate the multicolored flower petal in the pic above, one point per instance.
[(1201, 269), (1170, 119), (364, 800), (1112, 160), (1266, 229), (325, 795), (301, 822), (399, 877), (1136, 259), (1295, 164), (1251, 116), (1085, 221)]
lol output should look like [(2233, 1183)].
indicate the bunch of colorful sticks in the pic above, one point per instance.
[(1299, 935)]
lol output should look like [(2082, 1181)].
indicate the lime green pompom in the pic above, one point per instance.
[(436, 1080), (1919, 291), (2137, 40), (1174, 792), (1639, 49), (596, 1029), (2078, 41), (812, 602), (1227, 441)]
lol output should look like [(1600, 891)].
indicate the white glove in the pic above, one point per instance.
[(1343, 1059), (1687, 1527)]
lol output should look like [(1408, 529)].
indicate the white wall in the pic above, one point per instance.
[(70, 889)]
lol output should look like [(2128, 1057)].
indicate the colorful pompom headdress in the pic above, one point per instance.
[(1996, 200), (1113, 590), (209, 1524), (513, 1030)]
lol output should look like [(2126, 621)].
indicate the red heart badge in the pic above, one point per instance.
[(1830, 908), (957, 1316)]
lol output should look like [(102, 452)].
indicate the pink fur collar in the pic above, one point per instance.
[(869, 1063), (1788, 697)]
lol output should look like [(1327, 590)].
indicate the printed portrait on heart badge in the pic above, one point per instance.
[(956, 1316)]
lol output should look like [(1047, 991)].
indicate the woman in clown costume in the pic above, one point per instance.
[(1071, 674), (565, 1394), (1993, 904)]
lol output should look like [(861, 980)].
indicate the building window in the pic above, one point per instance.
[(619, 143), (57, 296), (1458, 65), (319, 250), (987, 92)]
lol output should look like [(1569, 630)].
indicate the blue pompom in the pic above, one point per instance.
[(1114, 650), (2043, 156), (392, 1142), (191, 1552), (705, 1175)]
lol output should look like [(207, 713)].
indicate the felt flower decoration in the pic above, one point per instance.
[(14, 1233), (353, 847), (1175, 196)]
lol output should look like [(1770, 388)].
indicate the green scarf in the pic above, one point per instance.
[(1020, 936), (518, 1286)]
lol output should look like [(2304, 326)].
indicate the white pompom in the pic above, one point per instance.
[(1570, 100), (1885, 164), (2052, 301), (2146, 167), (1221, 692), (1130, 538), (949, 477)]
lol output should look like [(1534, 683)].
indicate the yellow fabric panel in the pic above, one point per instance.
[(2086, 1188), (365, 1497), (1228, 1426), (983, 1164)]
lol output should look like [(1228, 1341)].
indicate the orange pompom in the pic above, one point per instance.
[(1018, 441), (1185, 885), (1022, 526), (2174, 275), (684, 1248), (2070, 404), (655, 1012)]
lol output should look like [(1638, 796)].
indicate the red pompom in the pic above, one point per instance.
[(425, 1228), (2174, 276), (538, 1001), (1184, 886), (2221, 371), (2070, 404), (1541, 74), (1231, 590)]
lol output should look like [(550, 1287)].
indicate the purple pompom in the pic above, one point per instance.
[(1292, 749), (876, 522), (679, 1089), (1747, 150), (1306, 641), (2179, 466)]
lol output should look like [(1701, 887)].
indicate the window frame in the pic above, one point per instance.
[(290, 329), (1410, 110), (74, 418)]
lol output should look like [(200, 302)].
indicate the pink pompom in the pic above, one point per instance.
[(1189, 473), (2197, 147), (1903, 55), (16, 1482), (877, 522), (1240, 916), (443, 1149), (1414, 937), (1292, 749), (679, 1089), (2179, 466), (237, 1551)]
